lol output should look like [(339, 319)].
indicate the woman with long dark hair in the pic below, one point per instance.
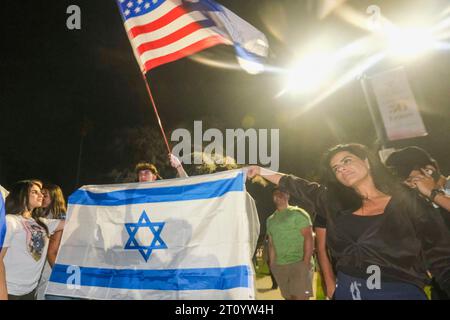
[(383, 239), (25, 247)]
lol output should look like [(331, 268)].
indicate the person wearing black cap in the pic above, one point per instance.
[(420, 171)]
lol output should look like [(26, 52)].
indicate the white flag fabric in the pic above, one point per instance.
[(4, 192), (189, 238)]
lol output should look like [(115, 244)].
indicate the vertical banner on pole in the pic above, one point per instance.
[(397, 105)]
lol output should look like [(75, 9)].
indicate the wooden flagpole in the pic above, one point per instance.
[(156, 112)]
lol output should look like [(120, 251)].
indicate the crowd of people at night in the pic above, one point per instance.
[(364, 218)]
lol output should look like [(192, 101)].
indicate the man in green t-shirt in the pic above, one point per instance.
[(291, 247)]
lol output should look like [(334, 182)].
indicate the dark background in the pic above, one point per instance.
[(55, 82)]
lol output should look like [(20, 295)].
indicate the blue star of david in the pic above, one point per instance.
[(155, 228)]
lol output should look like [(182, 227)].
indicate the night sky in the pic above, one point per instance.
[(53, 80)]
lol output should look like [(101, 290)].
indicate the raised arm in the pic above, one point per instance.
[(443, 201), (309, 195), (176, 163), (426, 185), (269, 175)]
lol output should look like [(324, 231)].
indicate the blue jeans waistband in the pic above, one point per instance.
[(353, 288)]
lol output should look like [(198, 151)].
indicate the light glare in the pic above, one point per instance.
[(408, 43)]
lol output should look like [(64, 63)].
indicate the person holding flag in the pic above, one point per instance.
[(147, 172), (163, 31)]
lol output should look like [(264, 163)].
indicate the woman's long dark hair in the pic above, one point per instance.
[(347, 197), (17, 201)]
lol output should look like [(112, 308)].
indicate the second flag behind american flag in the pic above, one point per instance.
[(162, 31)]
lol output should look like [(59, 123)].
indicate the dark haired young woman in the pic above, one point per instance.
[(382, 238), (25, 246)]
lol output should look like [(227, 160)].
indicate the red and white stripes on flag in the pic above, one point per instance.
[(162, 31)]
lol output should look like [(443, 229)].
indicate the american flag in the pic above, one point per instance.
[(162, 31)]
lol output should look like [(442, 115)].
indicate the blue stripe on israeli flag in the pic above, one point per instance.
[(168, 279), (205, 190), (191, 238)]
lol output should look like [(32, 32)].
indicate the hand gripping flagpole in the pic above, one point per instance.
[(250, 43), (156, 111)]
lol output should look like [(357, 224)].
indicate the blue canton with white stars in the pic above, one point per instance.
[(134, 8)]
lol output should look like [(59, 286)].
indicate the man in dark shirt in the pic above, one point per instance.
[(419, 171)]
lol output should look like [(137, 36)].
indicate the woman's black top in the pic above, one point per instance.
[(405, 241)]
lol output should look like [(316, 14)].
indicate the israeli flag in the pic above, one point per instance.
[(3, 195), (250, 44), (189, 238)]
